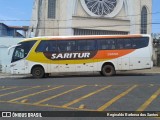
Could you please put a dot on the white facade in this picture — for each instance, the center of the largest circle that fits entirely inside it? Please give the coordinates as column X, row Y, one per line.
column 74, row 17
column 5, row 59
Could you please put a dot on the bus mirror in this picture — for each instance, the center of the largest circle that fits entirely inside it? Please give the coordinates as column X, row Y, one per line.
column 9, row 49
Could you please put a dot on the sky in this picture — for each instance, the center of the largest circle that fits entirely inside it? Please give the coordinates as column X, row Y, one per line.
column 156, row 17
column 22, row 10
column 16, row 10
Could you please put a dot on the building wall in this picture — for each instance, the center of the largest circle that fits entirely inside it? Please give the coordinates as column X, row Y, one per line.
column 3, row 30
column 148, row 5
column 71, row 14
column 5, row 59
column 134, row 11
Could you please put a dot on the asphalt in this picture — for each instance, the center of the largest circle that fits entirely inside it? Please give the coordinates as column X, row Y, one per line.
column 154, row 70
column 129, row 91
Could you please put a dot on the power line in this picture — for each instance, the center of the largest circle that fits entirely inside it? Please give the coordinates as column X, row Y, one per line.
column 84, row 18
column 85, row 27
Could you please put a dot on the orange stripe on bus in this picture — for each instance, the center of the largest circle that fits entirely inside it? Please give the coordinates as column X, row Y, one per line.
column 112, row 54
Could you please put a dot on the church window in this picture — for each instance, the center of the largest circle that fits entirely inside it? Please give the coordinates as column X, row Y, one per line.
column 51, row 9
column 144, row 20
column 101, row 7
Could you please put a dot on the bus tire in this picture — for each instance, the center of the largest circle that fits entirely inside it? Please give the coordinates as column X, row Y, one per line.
column 38, row 72
column 108, row 70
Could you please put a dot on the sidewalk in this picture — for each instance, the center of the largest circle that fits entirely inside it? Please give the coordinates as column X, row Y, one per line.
column 5, row 75
column 154, row 70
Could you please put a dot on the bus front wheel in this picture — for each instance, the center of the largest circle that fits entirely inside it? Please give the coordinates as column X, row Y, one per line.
column 108, row 70
column 38, row 72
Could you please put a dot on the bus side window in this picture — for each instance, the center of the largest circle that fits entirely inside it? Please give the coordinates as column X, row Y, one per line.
column 42, row 47
column 102, row 44
column 106, row 44
column 90, row 45
column 86, row 45
column 66, row 46
column 127, row 44
column 61, row 46
column 140, row 42
column 47, row 46
column 52, row 46
column 81, row 45
column 134, row 44
column 71, row 46
column 120, row 44
column 111, row 44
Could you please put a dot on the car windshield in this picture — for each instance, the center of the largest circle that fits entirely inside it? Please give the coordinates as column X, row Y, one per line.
column 22, row 50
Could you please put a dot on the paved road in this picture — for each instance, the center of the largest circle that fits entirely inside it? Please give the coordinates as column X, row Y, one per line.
column 124, row 92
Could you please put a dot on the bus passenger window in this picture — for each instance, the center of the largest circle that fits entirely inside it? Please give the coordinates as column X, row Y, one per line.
column 66, row 46
column 71, row 46
column 81, row 45
column 47, row 46
column 42, row 47
column 111, row 44
column 140, row 42
column 61, row 46
column 52, row 46
column 90, row 45
column 127, row 44
column 102, row 45
column 108, row 44
column 86, row 45
column 120, row 44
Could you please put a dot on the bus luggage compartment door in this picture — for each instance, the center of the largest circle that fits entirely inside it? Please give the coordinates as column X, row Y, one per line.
column 125, row 63
column 66, row 66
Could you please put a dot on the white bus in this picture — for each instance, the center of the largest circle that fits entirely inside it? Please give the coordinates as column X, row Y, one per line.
column 42, row 56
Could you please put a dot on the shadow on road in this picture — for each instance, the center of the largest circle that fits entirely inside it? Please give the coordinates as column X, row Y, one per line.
column 91, row 75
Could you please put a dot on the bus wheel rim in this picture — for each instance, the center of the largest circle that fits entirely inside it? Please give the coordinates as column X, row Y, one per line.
column 108, row 70
column 37, row 72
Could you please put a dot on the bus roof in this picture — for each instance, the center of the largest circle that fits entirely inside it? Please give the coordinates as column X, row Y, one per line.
column 85, row 37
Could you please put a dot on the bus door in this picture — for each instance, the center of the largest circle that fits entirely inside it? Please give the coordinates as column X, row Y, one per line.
column 18, row 63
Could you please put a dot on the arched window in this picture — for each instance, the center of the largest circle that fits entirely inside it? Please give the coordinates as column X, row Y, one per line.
column 144, row 20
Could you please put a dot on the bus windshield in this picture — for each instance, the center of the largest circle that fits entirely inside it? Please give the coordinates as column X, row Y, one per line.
column 21, row 51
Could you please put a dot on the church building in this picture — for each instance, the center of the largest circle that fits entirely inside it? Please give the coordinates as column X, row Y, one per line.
column 91, row 17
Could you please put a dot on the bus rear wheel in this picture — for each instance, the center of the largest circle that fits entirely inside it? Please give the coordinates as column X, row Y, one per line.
column 38, row 72
column 108, row 70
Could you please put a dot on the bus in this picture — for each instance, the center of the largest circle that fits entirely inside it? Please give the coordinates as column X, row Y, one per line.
column 42, row 56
